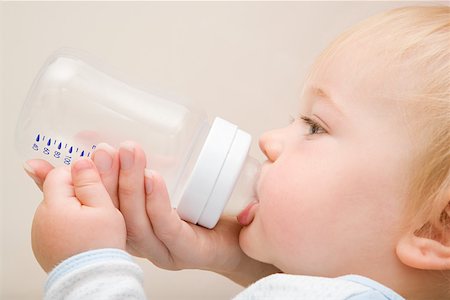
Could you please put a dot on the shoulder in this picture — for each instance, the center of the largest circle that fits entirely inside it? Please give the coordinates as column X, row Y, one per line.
column 286, row 286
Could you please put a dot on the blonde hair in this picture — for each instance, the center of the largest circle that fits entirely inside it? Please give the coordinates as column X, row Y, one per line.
column 416, row 39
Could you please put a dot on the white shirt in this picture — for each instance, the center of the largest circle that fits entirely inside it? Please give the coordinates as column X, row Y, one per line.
column 111, row 274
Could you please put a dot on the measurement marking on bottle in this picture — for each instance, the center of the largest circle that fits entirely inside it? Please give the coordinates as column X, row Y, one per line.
column 56, row 152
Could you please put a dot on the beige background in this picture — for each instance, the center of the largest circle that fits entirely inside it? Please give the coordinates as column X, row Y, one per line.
column 242, row 61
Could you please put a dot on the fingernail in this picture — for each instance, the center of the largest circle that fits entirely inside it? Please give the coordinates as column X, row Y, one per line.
column 102, row 158
column 82, row 164
column 126, row 154
column 148, row 179
column 30, row 171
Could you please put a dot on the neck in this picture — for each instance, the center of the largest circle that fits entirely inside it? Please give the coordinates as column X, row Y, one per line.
column 415, row 284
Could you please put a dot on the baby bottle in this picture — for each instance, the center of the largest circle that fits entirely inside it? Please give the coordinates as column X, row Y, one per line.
column 73, row 106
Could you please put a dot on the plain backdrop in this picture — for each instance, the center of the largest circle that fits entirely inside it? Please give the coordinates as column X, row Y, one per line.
column 243, row 61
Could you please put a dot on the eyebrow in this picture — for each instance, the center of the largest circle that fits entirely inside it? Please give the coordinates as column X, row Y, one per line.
column 322, row 94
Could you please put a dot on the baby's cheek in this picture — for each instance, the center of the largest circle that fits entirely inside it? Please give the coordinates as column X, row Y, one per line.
column 280, row 213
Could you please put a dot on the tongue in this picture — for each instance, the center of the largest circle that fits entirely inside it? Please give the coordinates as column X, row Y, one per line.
column 247, row 214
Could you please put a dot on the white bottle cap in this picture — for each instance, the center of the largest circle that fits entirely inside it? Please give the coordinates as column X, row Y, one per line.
column 215, row 174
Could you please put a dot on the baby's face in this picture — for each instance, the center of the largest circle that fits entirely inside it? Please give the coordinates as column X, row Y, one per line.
column 332, row 189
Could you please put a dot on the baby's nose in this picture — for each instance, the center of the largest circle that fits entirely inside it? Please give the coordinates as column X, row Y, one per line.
column 271, row 145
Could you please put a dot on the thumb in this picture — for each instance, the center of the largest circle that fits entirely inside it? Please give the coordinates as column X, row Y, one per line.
column 88, row 185
column 166, row 222
column 163, row 217
column 38, row 170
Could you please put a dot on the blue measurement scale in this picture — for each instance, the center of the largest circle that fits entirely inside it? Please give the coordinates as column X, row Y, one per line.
column 59, row 149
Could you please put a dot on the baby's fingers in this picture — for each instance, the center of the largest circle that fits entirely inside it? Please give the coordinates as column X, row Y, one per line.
column 58, row 187
column 88, row 186
column 165, row 220
column 177, row 235
column 141, row 240
column 131, row 187
column 106, row 159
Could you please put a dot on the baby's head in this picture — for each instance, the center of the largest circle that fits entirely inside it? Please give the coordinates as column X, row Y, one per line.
column 360, row 182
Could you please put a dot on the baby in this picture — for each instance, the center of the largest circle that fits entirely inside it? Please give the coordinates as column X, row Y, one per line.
column 353, row 199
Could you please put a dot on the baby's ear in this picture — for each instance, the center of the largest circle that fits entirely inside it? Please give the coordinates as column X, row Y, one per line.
column 427, row 248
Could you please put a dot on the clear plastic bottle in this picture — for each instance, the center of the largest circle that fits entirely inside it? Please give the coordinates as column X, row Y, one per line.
column 72, row 106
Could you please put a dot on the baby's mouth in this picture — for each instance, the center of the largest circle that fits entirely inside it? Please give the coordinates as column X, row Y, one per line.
column 248, row 213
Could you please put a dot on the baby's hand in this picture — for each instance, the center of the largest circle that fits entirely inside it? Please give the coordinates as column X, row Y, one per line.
column 76, row 215
column 156, row 232
column 154, row 229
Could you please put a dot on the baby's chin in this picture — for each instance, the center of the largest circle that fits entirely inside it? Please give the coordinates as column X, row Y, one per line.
column 251, row 245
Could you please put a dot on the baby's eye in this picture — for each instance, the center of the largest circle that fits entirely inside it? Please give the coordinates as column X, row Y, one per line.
column 314, row 127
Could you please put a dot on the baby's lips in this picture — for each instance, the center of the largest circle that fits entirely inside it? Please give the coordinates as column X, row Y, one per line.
column 247, row 214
